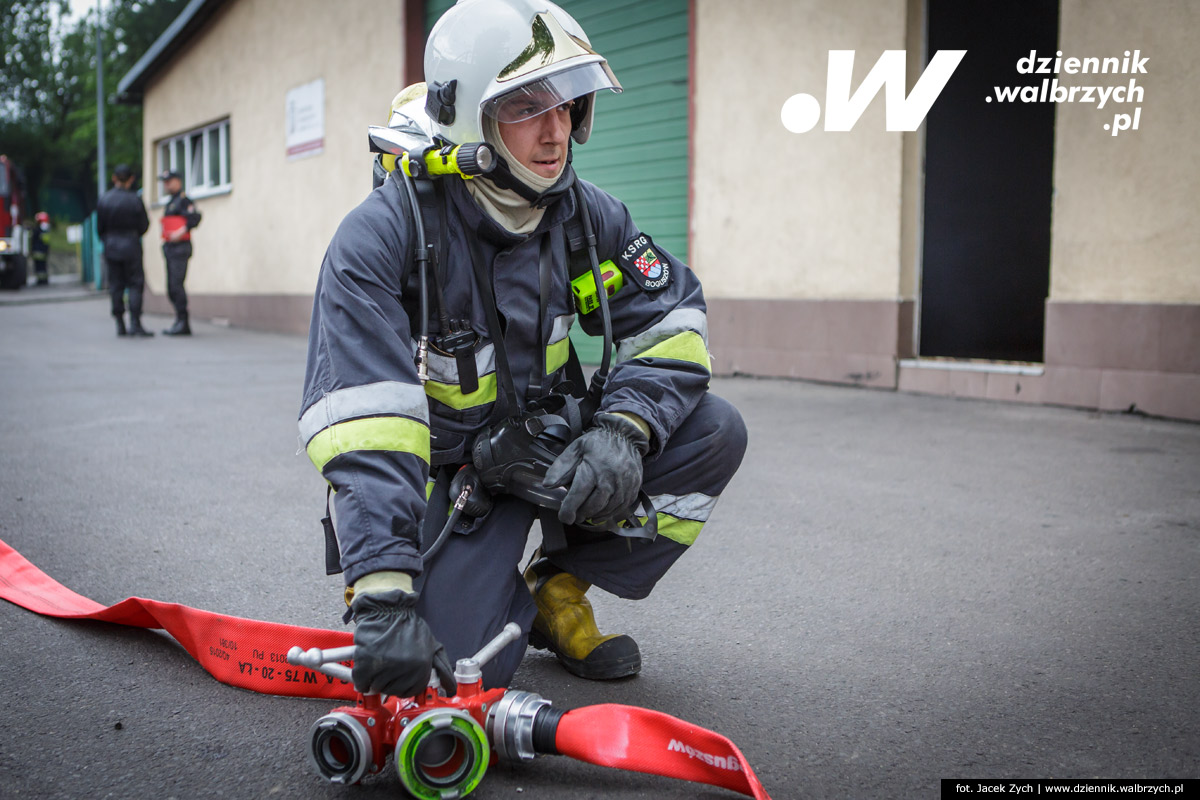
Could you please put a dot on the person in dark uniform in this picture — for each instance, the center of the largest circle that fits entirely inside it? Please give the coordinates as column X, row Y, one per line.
column 382, row 415
column 121, row 222
column 179, row 217
column 41, row 248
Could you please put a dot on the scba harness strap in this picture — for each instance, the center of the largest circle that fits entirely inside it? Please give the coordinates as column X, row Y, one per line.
column 456, row 338
column 558, row 416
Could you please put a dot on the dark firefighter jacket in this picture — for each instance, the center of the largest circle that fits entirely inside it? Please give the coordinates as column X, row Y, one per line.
column 121, row 220
column 40, row 243
column 366, row 420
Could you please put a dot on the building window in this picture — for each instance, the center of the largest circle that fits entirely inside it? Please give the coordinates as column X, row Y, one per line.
column 201, row 157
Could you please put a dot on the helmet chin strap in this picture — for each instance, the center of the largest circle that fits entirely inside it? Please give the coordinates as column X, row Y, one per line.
column 503, row 177
column 511, row 175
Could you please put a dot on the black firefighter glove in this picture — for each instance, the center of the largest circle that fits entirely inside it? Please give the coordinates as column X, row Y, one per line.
column 394, row 648
column 603, row 468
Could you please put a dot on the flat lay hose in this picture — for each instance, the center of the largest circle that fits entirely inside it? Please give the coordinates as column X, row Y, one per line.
column 246, row 653
column 252, row 654
column 642, row 740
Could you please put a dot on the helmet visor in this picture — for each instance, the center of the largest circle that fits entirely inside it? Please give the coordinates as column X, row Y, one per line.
column 528, row 101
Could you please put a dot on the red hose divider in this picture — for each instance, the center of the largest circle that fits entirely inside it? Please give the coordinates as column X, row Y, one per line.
column 638, row 739
column 246, row 653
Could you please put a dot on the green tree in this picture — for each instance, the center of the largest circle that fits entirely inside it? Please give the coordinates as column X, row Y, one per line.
column 48, row 121
column 36, row 89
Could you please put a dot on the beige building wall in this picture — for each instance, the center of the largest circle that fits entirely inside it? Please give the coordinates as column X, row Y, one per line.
column 808, row 244
column 1123, row 317
column 263, row 241
column 1126, row 207
column 780, row 214
column 797, row 237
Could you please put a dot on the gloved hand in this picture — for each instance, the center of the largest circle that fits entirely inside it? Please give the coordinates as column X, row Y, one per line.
column 395, row 648
column 603, row 468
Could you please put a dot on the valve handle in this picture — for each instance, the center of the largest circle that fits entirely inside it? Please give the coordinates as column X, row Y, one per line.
column 508, row 634
column 325, row 661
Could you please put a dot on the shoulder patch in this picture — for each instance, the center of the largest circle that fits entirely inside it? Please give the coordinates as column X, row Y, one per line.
column 646, row 264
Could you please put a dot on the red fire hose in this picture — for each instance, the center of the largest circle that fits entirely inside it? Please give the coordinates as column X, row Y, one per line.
column 641, row 740
column 253, row 655
column 241, row 652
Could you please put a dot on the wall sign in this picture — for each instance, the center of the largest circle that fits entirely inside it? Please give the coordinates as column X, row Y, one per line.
column 305, row 121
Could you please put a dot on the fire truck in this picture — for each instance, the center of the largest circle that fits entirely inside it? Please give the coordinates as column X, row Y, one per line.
column 14, row 233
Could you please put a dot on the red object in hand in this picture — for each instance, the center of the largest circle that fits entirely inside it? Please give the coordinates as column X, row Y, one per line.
column 171, row 225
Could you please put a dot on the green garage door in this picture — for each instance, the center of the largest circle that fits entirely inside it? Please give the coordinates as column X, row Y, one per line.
column 639, row 145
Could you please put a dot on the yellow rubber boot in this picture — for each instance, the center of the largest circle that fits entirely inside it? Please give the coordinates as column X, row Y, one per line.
column 566, row 626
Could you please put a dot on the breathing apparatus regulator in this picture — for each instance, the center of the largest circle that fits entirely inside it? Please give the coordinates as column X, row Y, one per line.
column 435, row 131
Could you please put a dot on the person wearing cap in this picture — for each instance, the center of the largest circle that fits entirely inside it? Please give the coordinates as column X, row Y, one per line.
column 41, row 248
column 121, row 221
column 179, row 218
column 521, row 76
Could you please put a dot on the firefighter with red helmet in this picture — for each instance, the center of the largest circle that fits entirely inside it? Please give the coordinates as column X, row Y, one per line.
column 40, row 245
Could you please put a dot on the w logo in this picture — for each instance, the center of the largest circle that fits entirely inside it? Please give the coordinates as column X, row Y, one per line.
column 801, row 112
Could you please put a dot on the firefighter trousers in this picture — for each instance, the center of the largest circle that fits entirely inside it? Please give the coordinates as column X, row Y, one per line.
column 177, row 255
column 125, row 274
column 474, row 586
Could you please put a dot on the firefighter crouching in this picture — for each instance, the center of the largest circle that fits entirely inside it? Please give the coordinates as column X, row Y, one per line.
column 499, row 320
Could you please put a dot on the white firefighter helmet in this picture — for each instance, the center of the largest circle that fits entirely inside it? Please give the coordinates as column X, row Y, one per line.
column 511, row 60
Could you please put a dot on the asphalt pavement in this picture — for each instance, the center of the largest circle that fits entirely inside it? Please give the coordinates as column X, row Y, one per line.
column 895, row 589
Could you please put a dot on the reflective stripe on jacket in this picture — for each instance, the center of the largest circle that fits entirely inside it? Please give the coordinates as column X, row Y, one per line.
column 373, row 430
